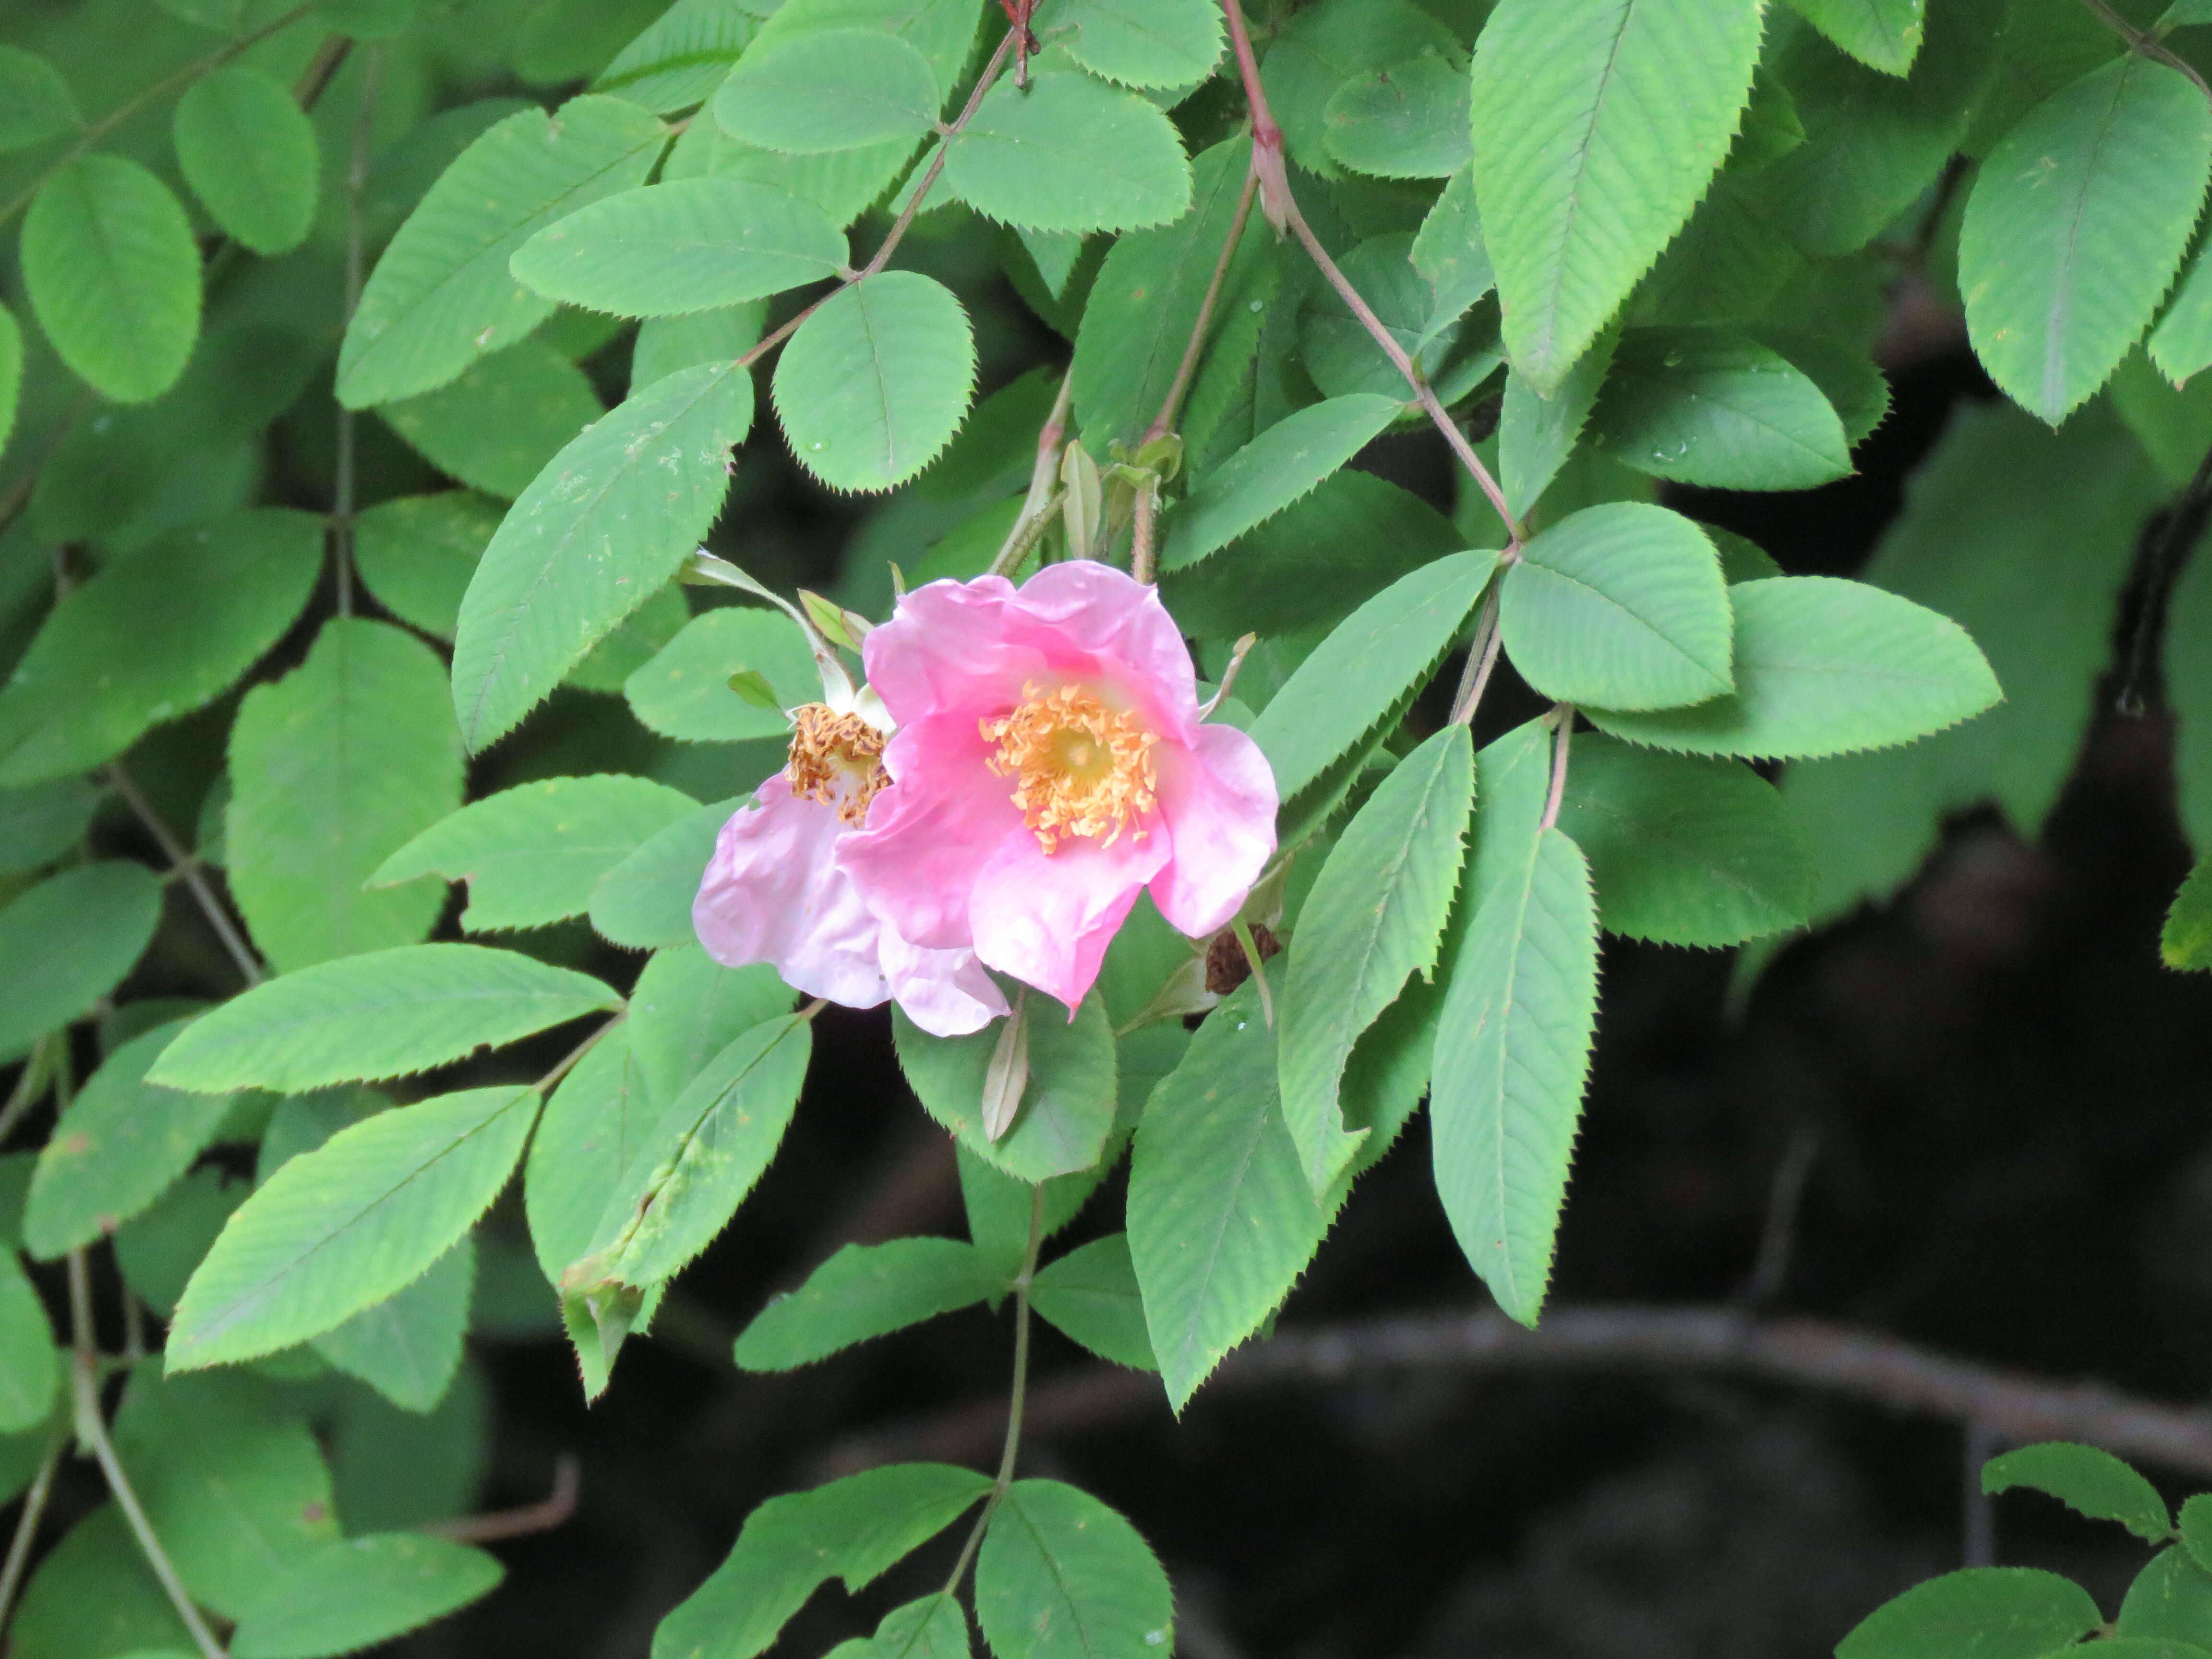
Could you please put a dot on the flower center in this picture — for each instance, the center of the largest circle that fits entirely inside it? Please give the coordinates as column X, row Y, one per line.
column 1079, row 768
column 836, row 759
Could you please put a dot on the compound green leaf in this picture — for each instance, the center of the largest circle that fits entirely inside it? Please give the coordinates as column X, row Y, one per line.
column 40, row 823
column 1375, row 917
column 1983, row 1613
column 645, row 901
column 1278, row 468
column 2171, row 1598
column 2186, row 940
column 386, row 1013
column 680, row 59
column 1061, row 1576
column 1069, row 154
column 441, row 296
column 1313, row 563
column 600, row 531
column 153, row 636
column 333, row 768
column 531, row 855
column 248, row 151
column 1883, row 34
column 699, row 1159
column 1377, row 654
column 586, row 1138
column 1138, row 43
column 116, row 1148
column 684, row 692
column 690, row 245
column 30, row 1372
column 1325, row 45
column 1448, row 252
column 2075, row 226
column 417, row 553
column 1536, row 435
column 106, row 911
column 2181, row 344
column 866, row 1291
column 11, row 372
column 2089, row 1480
column 686, row 1008
column 877, row 381
column 1684, row 850
column 1091, row 1294
column 35, row 101
column 341, row 1228
column 1066, row 1112
column 1602, row 123
column 95, row 1594
column 837, row 89
column 113, row 276
column 1146, row 299
column 1513, row 1042
column 1701, row 406
column 408, row 1347
column 1407, row 121
column 496, row 426
column 158, row 1250
column 362, row 1591
column 856, row 1528
column 1825, row 666
column 1621, row 605
column 1221, row 1219
column 237, row 1495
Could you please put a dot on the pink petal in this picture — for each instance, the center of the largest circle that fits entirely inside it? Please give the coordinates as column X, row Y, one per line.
column 1218, row 798
column 1106, row 613
column 929, row 835
column 1046, row 918
column 946, row 992
column 773, row 892
column 940, row 640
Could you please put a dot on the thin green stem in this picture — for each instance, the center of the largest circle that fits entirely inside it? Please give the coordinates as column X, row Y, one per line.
column 26, row 1527
column 91, row 1428
column 188, row 867
column 1481, row 663
column 342, row 504
column 1003, row 1482
column 172, row 81
column 1171, row 405
column 1562, row 740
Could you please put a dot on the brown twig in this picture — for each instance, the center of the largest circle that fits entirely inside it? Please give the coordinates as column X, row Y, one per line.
column 1815, row 1353
column 549, row 1512
column 1281, row 208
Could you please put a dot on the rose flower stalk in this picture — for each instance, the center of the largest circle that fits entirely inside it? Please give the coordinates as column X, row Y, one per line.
column 1047, row 761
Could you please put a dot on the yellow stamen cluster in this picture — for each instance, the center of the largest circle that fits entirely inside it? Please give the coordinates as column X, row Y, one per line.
column 1079, row 768
column 836, row 759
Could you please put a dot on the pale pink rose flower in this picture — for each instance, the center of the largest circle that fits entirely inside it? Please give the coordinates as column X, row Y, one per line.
column 1051, row 764
column 776, row 892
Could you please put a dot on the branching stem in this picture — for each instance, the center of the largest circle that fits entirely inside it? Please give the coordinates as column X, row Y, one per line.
column 899, row 226
column 194, row 876
column 2148, row 42
column 92, row 1430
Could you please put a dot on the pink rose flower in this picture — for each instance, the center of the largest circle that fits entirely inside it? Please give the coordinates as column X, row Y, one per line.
column 1050, row 763
column 776, row 892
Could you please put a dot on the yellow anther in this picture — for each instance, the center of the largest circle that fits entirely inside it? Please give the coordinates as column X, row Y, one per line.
column 836, row 759
column 1079, row 768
